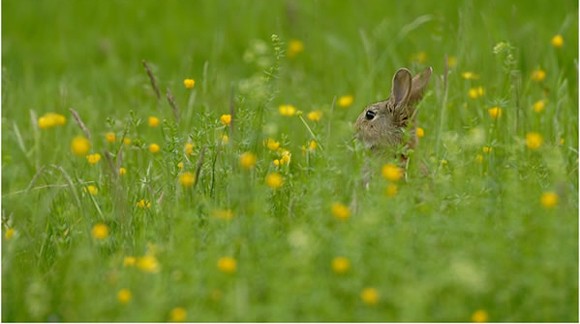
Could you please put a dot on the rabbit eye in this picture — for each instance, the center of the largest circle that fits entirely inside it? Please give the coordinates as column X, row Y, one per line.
column 369, row 115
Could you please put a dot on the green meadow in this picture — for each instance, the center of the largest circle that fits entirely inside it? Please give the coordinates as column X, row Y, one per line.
column 196, row 161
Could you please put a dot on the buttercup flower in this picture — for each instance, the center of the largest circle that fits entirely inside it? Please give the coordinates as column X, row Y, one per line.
column 100, row 231
column 50, row 120
column 420, row 132
column 314, row 115
column 122, row 171
column 340, row 265
column 287, row 110
column 153, row 121
column 534, row 140
column 248, row 160
column 188, row 148
column 110, row 137
column 370, row 296
column 189, row 83
column 124, row 296
column 93, row 190
column 538, row 75
column 494, row 112
column 539, row 106
column 154, row 148
column 295, row 47
column 178, row 314
column 272, row 145
column 549, row 199
column 187, row 179
column 477, row 92
column 468, row 75
column 226, row 120
column 345, row 101
column 227, row 265
column 479, row 316
column 144, row 203
column 94, row 158
column 558, row 41
column 392, row 172
column 274, row 180
column 340, row 211
column 80, row 146
column 148, row 263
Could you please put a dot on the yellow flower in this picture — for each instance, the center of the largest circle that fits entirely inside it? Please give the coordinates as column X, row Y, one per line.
column 248, row 160
column 558, row 41
column 549, row 199
column 539, row 106
column 534, row 140
column 127, row 141
column 420, row 132
column 129, row 261
column 287, row 110
column 272, row 144
column 391, row 190
column 50, row 120
column 420, row 57
column 225, row 139
column 295, row 47
column 110, row 137
column 314, row 115
column 312, row 145
column 479, row 316
column 9, row 233
column 144, row 203
column 477, row 92
column 187, row 179
column 487, row 149
column 286, row 156
column 80, row 146
column 340, row 211
column 479, row 158
column 154, row 148
column 94, row 158
column 124, row 296
column 188, row 148
column 392, row 172
column 538, row 75
column 189, row 83
column 494, row 112
column 93, row 190
column 122, row 171
column 468, row 75
column 370, row 296
column 180, row 165
column 225, row 214
column 451, row 61
column 100, row 231
column 226, row 120
column 340, row 265
column 227, row 264
column 345, row 101
column 148, row 263
column 178, row 314
column 153, row 121
column 274, row 180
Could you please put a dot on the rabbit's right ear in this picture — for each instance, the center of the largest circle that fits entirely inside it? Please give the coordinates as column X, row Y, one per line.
column 402, row 82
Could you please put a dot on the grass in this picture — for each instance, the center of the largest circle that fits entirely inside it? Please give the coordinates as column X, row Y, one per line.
column 483, row 227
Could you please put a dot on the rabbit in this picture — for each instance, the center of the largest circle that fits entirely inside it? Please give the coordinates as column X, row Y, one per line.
column 382, row 125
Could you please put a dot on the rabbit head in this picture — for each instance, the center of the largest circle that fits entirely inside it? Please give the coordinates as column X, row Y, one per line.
column 383, row 124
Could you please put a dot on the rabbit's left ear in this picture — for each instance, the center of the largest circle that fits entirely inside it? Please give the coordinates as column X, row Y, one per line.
column 401, row 87
column 420, row 82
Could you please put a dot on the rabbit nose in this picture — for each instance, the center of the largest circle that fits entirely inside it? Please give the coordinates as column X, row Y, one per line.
column 369, row 115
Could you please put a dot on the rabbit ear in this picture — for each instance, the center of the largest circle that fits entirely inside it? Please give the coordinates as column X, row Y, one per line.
column 420, row 82
column 401, row 87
